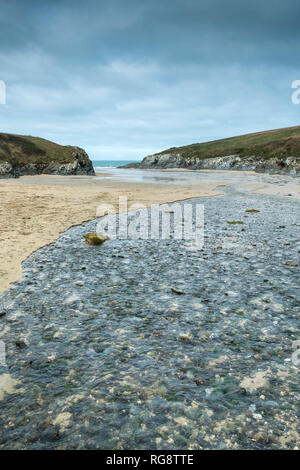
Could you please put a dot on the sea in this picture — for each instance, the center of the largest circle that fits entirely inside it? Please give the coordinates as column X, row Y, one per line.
column 111, row 163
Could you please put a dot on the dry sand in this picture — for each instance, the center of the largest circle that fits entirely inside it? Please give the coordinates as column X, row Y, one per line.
column 291, row 190
column 36, row 209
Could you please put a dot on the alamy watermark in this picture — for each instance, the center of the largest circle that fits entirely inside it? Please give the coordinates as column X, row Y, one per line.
column 296, row 93
column 159, row 222
column 2, row 354
column 2, row 92
column 296, row 353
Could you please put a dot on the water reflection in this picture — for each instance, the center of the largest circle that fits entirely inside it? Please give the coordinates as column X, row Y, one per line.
column 183, row 177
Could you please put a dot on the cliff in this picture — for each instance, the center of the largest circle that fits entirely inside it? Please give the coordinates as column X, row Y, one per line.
column 26, row 155
column 276, row 151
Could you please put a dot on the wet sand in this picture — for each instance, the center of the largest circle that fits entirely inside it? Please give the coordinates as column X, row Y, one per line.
column 36, row 209
column 147, row 343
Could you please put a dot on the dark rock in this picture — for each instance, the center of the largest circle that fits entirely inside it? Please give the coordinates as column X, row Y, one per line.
column 177, row 291
column 21, row 344
column 291, row 263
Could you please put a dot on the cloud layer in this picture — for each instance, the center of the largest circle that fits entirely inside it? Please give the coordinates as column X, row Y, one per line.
column 125, row 79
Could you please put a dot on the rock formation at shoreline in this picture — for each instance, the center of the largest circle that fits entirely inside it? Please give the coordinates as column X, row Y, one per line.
column 22, row 155
column 275, row 151
column 289, row 165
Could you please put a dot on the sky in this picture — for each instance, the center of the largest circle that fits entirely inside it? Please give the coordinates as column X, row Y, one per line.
column 125, row 79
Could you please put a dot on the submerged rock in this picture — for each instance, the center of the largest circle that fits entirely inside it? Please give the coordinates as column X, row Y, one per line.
column 177, row 291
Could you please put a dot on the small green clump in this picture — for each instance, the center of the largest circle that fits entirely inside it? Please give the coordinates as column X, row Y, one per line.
column 95, row 238
column 234, row 222
column 252, row 211
column 239, row 312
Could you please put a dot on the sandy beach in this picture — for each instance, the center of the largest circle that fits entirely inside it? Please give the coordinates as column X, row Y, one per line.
column 36, row 209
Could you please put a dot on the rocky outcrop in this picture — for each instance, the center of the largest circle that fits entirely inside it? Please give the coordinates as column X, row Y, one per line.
column 273, row 151
column 81, row 165
column 289, row 165
column 21, row 156
column 6, row 170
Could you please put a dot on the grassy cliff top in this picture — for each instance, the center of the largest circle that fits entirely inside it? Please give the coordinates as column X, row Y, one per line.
column 276, row 143
column 20, row 150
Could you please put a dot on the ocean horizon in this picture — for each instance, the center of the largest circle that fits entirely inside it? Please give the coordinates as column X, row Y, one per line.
column 111, row 163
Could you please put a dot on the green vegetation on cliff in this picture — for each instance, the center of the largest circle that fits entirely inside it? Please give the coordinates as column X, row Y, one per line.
column 276, row 143
column 21, row 155
column 22, row 150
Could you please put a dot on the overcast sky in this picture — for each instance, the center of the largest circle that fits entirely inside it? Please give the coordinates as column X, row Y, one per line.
column 127, row 78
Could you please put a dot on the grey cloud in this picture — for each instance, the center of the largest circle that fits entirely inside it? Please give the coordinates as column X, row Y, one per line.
column 124, row 79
